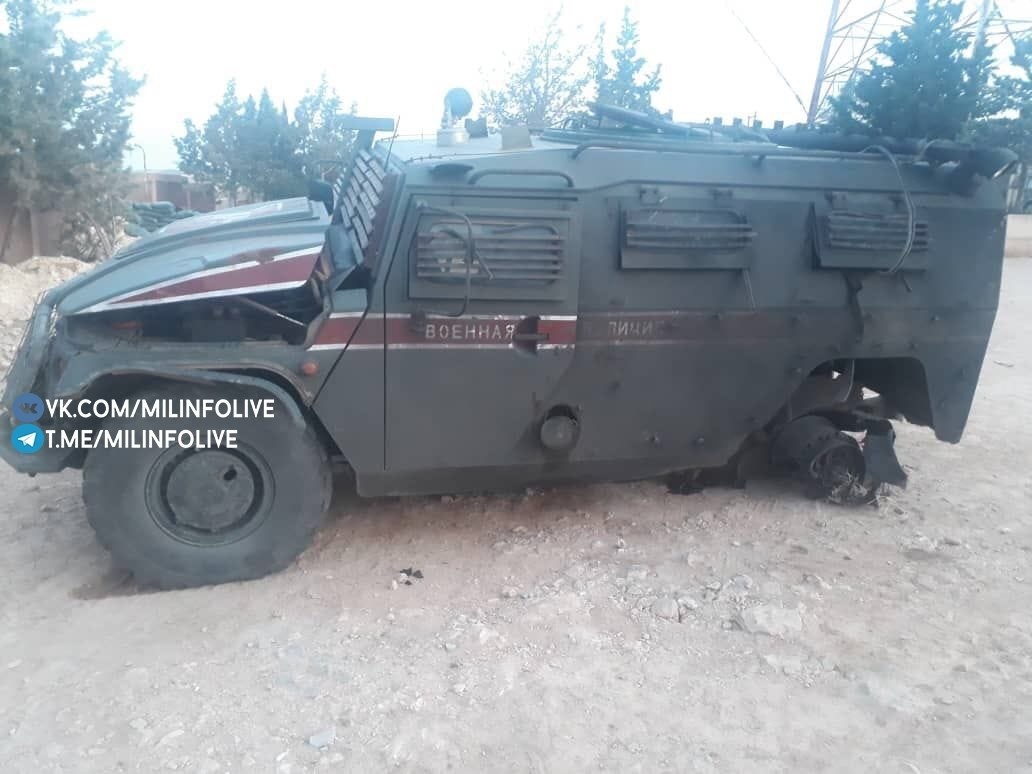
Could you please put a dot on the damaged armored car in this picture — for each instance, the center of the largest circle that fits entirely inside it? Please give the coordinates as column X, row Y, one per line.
column 619, row 298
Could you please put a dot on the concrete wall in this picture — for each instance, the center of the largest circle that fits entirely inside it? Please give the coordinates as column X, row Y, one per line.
column 1019, row 236
column 27, row 232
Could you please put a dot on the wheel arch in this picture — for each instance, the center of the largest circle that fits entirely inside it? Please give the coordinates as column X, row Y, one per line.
column 121, row 383
column 900, row 384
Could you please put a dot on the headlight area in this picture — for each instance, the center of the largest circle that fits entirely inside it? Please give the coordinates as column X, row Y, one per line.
column 23, row 371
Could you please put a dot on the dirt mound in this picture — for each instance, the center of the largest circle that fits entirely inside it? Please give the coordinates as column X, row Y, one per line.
column 20, row 286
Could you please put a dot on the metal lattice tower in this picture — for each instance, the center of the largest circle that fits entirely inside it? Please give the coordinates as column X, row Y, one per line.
column 994, row 20
column 856, row 27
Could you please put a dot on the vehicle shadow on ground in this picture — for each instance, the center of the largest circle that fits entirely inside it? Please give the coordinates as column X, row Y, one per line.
column 385, row 526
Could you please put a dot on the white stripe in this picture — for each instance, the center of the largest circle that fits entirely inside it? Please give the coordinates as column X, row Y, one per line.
column 422, row 345
column 373, row 315
column 303, row 252
column 494, row 317
column 217, row 293
column 318, row 347
column 194, row 296
column 634, row 342
column 119, row 301
column 428, row 345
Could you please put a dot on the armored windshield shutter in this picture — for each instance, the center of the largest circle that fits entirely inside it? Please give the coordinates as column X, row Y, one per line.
column 515, row 254
column 685, row 235
column 363, row 194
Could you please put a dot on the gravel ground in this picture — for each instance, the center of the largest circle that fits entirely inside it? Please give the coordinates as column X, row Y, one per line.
column 611, row 627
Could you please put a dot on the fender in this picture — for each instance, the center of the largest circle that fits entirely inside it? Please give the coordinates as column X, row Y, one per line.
column 55, row 460
column 209, row 377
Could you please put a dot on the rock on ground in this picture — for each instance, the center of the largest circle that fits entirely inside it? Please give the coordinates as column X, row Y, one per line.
column 772, row 620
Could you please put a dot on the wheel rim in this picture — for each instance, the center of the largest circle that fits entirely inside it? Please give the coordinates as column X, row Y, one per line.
column 209, row 496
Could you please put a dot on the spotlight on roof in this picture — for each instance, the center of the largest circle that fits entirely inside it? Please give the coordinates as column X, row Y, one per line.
column 457, row 105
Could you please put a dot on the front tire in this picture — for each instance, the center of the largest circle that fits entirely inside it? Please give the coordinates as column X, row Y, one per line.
column 179, row 517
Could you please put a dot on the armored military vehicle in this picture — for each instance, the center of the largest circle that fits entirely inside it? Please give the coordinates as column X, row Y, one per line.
column 621, row 297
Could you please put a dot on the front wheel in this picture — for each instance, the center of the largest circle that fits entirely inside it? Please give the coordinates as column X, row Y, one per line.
column 187, row 516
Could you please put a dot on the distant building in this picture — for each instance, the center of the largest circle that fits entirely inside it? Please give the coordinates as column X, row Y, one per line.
column 172, row 186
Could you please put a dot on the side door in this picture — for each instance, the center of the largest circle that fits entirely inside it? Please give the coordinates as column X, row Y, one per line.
column 472, row 362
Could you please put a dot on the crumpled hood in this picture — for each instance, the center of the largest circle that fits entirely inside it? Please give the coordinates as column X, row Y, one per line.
column 249, row 249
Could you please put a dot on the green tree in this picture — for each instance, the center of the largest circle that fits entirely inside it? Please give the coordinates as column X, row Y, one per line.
column 64, row 124
column 252, row 146
column 924, row 84
column 211, row 153
column 548, row 83
column 1016, row 90
column 271, row 166
column 323, row 143
column 1013, row 127
column 626, row 83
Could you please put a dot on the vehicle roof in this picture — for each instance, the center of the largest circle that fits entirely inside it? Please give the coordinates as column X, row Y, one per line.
column 787, row 158
column 426, row 149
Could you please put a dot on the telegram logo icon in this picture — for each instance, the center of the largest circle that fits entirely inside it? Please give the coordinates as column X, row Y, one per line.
column 27, row 439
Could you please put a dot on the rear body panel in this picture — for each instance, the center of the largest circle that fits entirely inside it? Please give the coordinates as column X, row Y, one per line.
column 670, row 360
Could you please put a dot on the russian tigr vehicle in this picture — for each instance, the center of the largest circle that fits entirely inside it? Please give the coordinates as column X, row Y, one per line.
column 619, row 298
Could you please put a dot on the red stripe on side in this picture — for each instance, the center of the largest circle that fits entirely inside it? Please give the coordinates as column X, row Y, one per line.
column 337, row 331
column 296, row 269
column 452, row 331
column 433, row 332
column 560, row 332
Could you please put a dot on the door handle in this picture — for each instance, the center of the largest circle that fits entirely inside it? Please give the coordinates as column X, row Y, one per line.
column 526, row 337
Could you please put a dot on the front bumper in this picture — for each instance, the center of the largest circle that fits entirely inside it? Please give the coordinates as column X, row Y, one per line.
column 24, row 369
column 22, row 377
column 46, row 460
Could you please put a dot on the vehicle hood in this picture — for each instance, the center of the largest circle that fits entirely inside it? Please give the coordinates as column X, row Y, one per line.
column 248, row 249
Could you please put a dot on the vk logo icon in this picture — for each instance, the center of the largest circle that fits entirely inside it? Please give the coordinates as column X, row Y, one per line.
column 27, row 439
column 28, row 407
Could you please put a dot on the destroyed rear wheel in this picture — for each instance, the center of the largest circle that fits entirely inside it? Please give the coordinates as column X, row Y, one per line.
column 830, row 462
column 179, row 517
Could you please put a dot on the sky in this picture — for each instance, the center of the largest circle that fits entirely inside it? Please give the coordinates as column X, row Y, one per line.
column 398, row 59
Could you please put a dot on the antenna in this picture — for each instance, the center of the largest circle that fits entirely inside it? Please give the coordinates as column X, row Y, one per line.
column 765, row 54
column 390, row 145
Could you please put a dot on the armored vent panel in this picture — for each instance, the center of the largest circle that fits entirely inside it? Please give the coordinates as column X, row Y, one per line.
column 864, row 240
column 661, row 238
column 522, row 253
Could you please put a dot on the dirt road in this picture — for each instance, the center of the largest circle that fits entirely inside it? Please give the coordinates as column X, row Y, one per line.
column 610, row 628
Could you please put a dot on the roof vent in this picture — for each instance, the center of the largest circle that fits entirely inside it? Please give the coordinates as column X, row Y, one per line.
column 516, row 137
